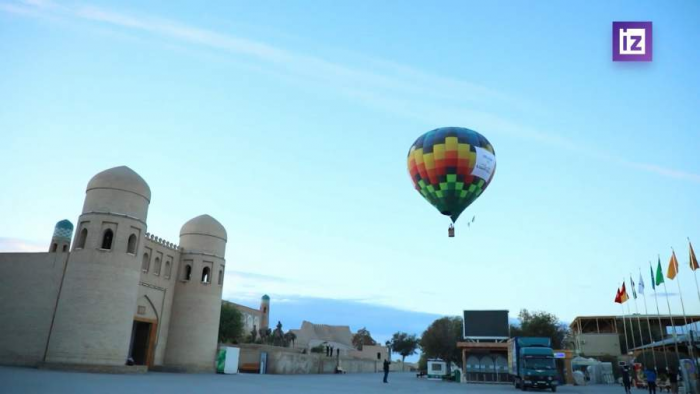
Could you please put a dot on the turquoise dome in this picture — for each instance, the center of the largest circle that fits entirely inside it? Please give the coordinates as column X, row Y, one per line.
column 65, row 223
column 266, row 297
column 63, row 229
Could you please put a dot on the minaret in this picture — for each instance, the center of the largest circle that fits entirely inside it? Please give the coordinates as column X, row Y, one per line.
column 265, row 312
column 95, row 311
column 194, row 323
column 62, row 233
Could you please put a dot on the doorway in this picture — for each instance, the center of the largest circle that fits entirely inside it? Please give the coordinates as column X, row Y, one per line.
column 142, row 340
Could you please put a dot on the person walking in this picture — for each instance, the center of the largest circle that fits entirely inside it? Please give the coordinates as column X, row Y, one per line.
column 673, row 379
column 626, row 382
column 651, row 380
column 386, row 370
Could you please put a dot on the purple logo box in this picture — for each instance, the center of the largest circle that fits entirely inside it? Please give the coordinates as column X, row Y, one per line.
column 632, row 42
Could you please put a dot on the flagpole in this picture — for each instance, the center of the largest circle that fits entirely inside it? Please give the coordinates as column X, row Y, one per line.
column 678, row 282
column 662, row 331
column 685, row 319
column 673, row 324
column 634, row 345
column 624, row 327
column 692, row 262
column 680, row 294
column 624, row 323
column 629, row 316
column 639, row 321
column 646, row 312
column 695, row 275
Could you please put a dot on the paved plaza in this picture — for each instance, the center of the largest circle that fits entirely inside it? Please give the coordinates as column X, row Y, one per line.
column 31, row 381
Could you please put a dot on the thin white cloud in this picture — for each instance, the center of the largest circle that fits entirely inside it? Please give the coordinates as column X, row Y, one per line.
column 399, row 89
column 301, row 65
column 39, row 3
column 9, row 245
column 667, row 172
column 19, row 10
column 248, row 287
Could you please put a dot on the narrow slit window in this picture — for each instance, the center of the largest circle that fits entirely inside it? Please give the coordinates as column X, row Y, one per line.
column 156, row 267
column 168, row 268
column 54, row 247
column 188, row 272
column 221, row 277
column 65, row 248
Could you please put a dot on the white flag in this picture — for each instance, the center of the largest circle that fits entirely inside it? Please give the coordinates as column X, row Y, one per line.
column 641, row 284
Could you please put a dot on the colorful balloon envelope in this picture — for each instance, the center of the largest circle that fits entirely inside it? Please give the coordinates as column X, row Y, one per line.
column 451, row 167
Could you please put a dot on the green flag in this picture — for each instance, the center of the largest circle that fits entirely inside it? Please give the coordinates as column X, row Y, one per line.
column 659, row 273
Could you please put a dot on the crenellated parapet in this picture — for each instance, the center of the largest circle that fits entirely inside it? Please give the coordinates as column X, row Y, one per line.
column 163, row 242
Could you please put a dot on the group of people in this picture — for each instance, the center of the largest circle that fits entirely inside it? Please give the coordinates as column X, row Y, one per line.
column 651, row 379
column 329, row 351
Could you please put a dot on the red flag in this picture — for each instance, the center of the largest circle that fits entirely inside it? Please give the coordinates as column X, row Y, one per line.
column 623, row 294
column 618, row 297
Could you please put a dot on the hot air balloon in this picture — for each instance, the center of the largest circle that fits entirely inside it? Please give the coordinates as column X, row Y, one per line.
column 451, row 167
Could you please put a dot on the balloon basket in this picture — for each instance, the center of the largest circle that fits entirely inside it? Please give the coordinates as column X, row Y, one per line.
column 451, row 231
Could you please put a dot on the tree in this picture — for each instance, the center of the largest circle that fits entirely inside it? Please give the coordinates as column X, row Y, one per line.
column 403, row 344
column 230, row 324
column 540, row 324
column 253, row 336
column 440, row 339
column 423, row 362
column 361, row 338
column 320, row 348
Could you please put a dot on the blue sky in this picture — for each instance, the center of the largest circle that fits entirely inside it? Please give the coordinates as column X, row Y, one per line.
column 290, row 122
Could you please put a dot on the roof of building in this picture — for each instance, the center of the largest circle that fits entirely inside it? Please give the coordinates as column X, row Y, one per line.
column 120, row 178
column 664, row 318
column 680, row 339
column 204, row 225
column 312, row 334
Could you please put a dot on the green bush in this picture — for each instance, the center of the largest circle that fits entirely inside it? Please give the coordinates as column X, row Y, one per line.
column 318, row 349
